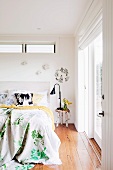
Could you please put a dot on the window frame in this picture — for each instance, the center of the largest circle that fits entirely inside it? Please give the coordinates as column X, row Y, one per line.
column 23, row 47
column 41, row 44
column 10, row 49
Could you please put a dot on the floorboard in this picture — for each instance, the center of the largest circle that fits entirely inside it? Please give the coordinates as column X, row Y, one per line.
column 75, row 151
column 96, row 148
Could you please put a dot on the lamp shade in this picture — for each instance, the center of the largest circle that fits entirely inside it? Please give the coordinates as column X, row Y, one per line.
column 52, row 91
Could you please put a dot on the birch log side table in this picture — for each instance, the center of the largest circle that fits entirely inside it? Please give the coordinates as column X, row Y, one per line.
column 60, row 114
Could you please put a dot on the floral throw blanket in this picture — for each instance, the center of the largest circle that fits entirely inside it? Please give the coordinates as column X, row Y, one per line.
column 27, row 137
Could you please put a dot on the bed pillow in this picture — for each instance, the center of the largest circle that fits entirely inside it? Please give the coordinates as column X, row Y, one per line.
column 10, row 91
column 3, row 97
column 24, row 99
column 37, row 98
column 10, row 100
column 42, row 98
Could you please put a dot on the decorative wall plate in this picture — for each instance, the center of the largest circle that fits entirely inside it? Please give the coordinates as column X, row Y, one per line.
column 62, row 75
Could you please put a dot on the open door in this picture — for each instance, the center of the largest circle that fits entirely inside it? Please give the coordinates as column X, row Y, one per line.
column 98, row 58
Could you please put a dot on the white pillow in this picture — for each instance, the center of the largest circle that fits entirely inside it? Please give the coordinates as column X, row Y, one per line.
column 44, row 101
column 10, row 92
column 3, row 97
column 10, row 99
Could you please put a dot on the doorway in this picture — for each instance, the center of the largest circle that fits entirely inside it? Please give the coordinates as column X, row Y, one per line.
column 93, row 89
column 98, row 58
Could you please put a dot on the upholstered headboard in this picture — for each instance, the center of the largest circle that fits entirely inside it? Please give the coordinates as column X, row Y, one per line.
column 24, row 85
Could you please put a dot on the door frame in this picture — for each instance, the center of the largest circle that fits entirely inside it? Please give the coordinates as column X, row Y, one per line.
column 107, row 104
column 90, row 93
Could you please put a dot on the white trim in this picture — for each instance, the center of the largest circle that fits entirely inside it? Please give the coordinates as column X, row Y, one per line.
column 83, row 17
column 98, row 140
column 107, row 133
column 94, row 30
column 36, row 35
column 91, row 26
column 91, row 92
column 92, row 12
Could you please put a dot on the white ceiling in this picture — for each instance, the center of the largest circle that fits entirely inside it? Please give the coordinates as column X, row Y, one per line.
column 41, row 16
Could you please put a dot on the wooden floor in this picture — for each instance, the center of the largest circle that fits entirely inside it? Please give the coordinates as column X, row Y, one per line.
column 75, row 151
column 96, row 148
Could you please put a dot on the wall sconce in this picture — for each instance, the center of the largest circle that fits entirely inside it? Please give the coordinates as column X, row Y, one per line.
column 53, row 92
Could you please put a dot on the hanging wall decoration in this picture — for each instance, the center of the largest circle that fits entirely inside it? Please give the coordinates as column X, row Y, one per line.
column 62, row 75
column 23, row 63
column 38, row 72
column 45, row 66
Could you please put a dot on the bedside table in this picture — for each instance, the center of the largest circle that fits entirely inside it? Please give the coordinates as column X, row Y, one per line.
column 60, row 116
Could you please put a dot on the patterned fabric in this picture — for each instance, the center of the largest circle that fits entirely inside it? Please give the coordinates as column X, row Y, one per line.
column 10, row 100
column 23, row 99
column 45, row 109
column 31, row 139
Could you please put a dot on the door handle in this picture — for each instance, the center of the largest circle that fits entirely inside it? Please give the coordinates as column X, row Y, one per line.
column 102, row 113
column 103, row 96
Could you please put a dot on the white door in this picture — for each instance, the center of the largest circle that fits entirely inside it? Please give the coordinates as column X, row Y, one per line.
column 98, row 57
column 86, row 117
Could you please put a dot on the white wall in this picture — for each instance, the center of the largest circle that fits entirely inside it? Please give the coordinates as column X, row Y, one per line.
column 12, row 70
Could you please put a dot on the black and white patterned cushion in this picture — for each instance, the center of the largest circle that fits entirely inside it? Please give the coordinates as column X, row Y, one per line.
column 24, row 99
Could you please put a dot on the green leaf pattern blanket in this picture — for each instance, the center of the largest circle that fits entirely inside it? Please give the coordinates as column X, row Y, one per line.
column 26, row 137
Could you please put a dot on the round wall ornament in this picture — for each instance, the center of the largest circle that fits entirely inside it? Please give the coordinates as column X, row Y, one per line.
column 62, row 75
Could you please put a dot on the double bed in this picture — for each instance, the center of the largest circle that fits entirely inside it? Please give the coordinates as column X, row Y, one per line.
column 27, row 132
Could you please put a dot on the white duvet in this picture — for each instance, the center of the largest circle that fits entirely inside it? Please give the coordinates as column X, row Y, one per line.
column 26, row 137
